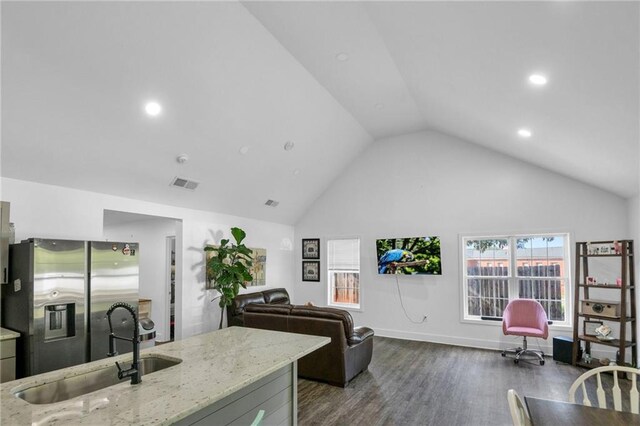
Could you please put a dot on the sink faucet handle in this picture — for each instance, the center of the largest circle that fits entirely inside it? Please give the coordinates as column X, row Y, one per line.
column 119, row 370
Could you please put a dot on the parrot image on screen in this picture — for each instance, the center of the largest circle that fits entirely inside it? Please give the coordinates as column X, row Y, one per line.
column 395, row 255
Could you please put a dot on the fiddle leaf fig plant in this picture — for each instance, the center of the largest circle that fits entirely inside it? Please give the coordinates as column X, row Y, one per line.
column 229, row 268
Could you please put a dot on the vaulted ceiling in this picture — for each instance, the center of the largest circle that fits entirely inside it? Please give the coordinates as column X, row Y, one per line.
column 237, row 81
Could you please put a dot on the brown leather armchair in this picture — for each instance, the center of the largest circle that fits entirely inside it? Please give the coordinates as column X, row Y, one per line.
column 348, row 354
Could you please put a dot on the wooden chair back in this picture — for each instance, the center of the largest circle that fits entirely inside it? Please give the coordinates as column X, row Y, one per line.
column 616, row 392
column 519, row 413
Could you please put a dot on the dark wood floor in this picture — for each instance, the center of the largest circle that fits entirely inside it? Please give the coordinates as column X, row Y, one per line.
column 420, row 383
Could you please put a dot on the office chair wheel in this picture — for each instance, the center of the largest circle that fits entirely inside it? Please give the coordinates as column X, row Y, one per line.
column 541, row 362
column 515, row 361
column 504, row 354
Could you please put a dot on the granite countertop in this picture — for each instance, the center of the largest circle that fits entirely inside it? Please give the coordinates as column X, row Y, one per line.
column 6, row 334
column 214, row 365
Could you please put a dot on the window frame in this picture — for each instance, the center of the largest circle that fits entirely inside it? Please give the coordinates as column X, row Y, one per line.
column 513, row 278
column 329, row 285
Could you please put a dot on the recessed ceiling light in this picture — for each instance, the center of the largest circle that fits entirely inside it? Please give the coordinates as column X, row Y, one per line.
column 538, row 79
column 182, row 158
column 288, row 146
column 296, row 172
column 525, row 133
column 342, row 57
column 244, row 150
column 153, row 108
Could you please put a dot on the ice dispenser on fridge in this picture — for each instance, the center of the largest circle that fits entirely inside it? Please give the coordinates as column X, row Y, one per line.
column 59, row 321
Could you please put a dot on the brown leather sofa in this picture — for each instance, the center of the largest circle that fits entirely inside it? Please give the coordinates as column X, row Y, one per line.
column 337, row 363
column 236, row 309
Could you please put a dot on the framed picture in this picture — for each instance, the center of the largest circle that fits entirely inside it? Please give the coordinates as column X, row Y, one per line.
column 311, row 248
column 590, row 327
column 257, row 270
column 310, row 270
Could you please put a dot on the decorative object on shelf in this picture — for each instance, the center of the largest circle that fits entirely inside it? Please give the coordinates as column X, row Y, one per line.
column 604, row 332
column 619, row 312
column 609, row 247
column 590, row 327
column 605, row 361
column 604, row 308
column 310, row 270
column 617, row 247
column 228, row 268
column 311, row 248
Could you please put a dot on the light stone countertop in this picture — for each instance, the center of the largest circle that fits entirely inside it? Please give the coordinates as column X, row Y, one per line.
column 6, row 334
column 214, row 365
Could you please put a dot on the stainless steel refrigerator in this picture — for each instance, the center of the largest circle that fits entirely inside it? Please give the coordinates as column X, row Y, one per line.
column 57, row 297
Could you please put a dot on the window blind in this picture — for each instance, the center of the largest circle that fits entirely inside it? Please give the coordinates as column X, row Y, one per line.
column 343, row 255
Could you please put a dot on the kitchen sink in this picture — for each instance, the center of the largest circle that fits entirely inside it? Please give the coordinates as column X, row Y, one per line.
column 70, row 387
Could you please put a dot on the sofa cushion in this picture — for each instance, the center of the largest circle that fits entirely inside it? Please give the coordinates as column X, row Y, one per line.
column 242, row 300
column 278, row 309
column 276, row 295
column 326, row 313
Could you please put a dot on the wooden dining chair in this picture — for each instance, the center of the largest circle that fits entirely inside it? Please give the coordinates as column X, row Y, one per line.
column 519, row 413
column 634, row 397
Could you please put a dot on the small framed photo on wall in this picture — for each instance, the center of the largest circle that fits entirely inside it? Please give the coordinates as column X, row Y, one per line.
column 310, row 270
column 311, row 248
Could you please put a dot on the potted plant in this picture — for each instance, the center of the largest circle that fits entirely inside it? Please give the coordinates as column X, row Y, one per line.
column 228, row 268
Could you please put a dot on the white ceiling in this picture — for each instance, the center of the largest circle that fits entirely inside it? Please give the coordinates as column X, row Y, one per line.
column 75, row 77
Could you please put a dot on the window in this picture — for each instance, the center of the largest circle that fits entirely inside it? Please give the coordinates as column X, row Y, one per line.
column 343, row 262
column 489, row 289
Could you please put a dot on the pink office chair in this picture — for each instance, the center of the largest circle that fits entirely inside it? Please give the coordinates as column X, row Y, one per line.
column 525, row 317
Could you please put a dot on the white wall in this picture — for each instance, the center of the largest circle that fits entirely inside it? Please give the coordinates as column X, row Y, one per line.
column 152, row 235
column 54, row 212
column 431, row 184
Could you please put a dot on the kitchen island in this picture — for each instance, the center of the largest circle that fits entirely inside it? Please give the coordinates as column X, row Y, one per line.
column 220, row 373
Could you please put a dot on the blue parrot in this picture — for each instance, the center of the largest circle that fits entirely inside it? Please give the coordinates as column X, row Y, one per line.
column 394, row 255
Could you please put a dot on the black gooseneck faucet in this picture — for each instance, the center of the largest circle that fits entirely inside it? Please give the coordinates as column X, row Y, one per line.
column 134, row 371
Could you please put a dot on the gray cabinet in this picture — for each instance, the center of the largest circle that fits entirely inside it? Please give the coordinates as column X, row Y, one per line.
column 275, row 394
column 7, row 360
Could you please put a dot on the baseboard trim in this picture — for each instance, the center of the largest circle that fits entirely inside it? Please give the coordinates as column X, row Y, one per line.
column 446, row 340
column 545, row 345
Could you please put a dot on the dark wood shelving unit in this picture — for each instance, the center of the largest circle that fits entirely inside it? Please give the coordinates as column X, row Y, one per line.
column 603, row 286
column 615, row 319
column 626, row 299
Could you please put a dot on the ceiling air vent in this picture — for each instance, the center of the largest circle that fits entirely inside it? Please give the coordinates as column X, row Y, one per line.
column 271, row 203
column 184, row 183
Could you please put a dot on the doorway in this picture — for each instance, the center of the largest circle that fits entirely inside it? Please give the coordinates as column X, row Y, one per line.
column 159, row 240
column 171, row 286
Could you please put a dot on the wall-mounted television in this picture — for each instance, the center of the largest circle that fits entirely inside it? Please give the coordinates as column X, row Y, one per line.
column 409, row 256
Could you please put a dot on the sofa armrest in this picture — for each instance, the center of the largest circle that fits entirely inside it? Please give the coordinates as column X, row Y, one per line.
column 359, row 335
